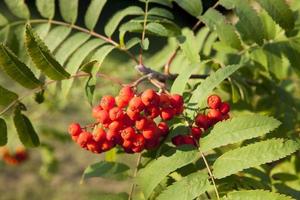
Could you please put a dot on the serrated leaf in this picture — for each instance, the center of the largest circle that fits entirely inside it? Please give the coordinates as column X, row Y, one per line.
column 206, row 87
column 187, row 188
column 46, row 8
column 180, row 82
column 18, row 8
column 255, row 195
column 56, row 36
column 100, row 55
column 115, row 20
column 193, row 7
column 150, row 176
column 3, row 132
column 42, row 57
column 161, row 12
column 93, row 12
column 17, row 70
column 69, row 10
column 157, row 29
column 70, row 45
column 103, row 169
column 189, row 47
column 249, row 25
column 253, row 155
column 25, row 130
column 238, row 129
column 269, row 24
column 7, row 97
column 3, row 20
column 280, row 12
column 228, row 35
column 76, row 60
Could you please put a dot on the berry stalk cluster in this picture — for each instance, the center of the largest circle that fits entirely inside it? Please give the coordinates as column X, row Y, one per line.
column 133, row 121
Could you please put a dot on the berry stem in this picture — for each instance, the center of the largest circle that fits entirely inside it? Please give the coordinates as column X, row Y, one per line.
column 134, row 175
column 210, row 174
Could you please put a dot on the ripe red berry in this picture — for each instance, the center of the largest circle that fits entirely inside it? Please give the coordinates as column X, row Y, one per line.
column 96, row 110
column 126, row 93
column 188, row 140
column 164, row 128
column 203, row 121
column 152, row 112
column 121, row 102
column 196, row 132
column 138, row 140
column 107, row 145
column 99, row 134
column 224, row 108
column 107, row 102
column 127, row 121
column 112, row 135
column 74, row 129
column 128, row 133
column 136, row 104
column 137, row 149
column 164, row 100
column 127, row 144
column 93, row 146
column 116, row 113
column 150, row 133
column 115, row 125
column 166, row 113
column 151, row 144
column 75, row 138
column 141, row 123
column 178, row 140
column 84, row 138
column 179, row 110
column 149, row 97
column 133, row 114
column 215, row 114
column 225, row 117
column 176, row 100
column 102, row 116
column 214, row 101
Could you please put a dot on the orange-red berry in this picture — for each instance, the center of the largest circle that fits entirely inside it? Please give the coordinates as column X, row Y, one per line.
column 176, row 100
column 203, row 121
column 99, row 134
column 164, row 128
column 224, row 108
column 84, row 138
column 116, row 113
column 107, row 102
column 102, row 116
column 164, row 100
column 126, row 93
column 214, row 101
column 128, row 133
column 133, row 114
column 136, row 104
column 167, row 113
column 149, row 97
column 75, row 129
column 215, row 114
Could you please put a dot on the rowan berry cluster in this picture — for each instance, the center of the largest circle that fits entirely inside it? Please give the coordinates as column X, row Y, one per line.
column 15, row 158
column 218, row 111
column 134, row 122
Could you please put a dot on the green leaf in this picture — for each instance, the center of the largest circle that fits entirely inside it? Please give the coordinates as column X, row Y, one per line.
column 132, row 42
column 187, row 188
column 249, row 25
column 150, row 176
column 3, row 132
column 56, row 36
column 145, row 44
column 229, row 4
column 4, row 34
column 46, row 8
column 115, row 20
column 280, row 12
column 161, row 12
column 193, row 7
column 7, row 97
column 111, row 155
column 70, row 45
column 100, row 55
column 228, row 35
column 3, row 20
column 200, row 38
column 255, row 195
column 90, row 87
column 161, row 2
column 180, row 82
column 18, row 8
column 17, row 70
column 76, row 60
column 42, row 57
column 189, row 46
column 25, row 130
column 206, row 87
column 253, row 155
column 238, row 129
column 103, row 169
column 87, row 67
column 157, row 29
column 69, row 10
column 93, row 12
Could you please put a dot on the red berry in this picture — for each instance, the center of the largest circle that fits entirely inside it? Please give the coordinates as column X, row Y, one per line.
column 166, row 113
column 151, row 144
column 112, row 135
column 128, row 133
column 96, row 110
column 214, row 101
column 138, row 140
column 84, row 138
column 107, row 102
column 137, row 149
column 75, row 138
column 127, row 144
column 178, row 140
column 102, row 116
column 127, row 121
column 164, row 100
column 93, row 146
column 225, row 117
column 115, row 125
column 152, row 112
column 203, row 121
column 133, row 115
column 74, row 129
column 136, row 104
column 126, row 93
column 107, row 145
column 141, row 123
column 179, row 110
column 149, row 133
column 224, row 108
column 121, row 102
column 149, row 97
column 99, row 134
column 196, row 132
column 187, row 139
column 215, row 114
column 176, row 100
column 164, row 128
column 116, row 113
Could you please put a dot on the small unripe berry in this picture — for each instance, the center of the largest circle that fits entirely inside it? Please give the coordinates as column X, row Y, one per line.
column 99, row 134
column 75, row 129
column 136, row 104
column 126, row 93
column 116, row 113
column 149, row 97
column 196, row 132
column 107, row 102
column 128, row 133
column 166, row 113
column 84, row 138
column 214, row 101
column 164, row 128
column 203, row 121
column 224, row 108
column 176, row 100
column 215, row 114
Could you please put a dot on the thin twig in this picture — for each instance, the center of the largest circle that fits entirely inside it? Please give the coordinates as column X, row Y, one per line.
column 134, row 175
column 211, row 175
column 144, row 32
